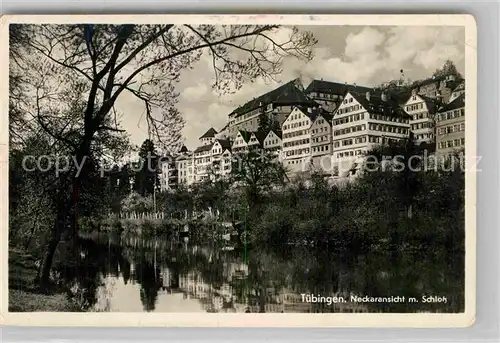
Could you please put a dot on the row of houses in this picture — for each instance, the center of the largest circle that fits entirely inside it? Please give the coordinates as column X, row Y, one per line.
column 328, row 127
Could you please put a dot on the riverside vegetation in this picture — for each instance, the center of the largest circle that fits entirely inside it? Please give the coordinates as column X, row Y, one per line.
column 382, row 211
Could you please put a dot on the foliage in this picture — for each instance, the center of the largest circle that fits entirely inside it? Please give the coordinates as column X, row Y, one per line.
column 146, row 178
column 448, row 68
column 134, row 202
column 256, row 172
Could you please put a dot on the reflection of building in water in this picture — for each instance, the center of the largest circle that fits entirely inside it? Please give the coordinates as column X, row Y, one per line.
column 193, row 285
column 236, row 271
column 166, row 279
column 132, row 273
column 292, row 302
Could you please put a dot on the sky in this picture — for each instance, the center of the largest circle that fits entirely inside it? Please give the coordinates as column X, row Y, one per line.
column 367, row 56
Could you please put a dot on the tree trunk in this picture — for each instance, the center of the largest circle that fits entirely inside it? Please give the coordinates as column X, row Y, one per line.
column 63, row 206
column 47, row 262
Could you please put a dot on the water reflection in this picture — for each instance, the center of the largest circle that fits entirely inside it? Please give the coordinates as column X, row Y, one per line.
column 133, row 275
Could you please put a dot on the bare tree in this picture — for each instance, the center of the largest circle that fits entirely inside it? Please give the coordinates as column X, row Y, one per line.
column 99, row 63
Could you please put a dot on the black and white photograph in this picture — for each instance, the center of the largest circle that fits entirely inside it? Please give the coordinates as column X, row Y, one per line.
column 239, row 166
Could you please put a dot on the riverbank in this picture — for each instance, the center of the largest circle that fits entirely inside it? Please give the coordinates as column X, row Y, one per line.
column 24, row 295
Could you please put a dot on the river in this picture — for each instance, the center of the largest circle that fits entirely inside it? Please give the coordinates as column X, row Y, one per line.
column 155, row 275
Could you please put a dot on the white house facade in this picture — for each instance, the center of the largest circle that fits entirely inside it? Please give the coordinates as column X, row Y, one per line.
column 422, row 118
column 297, row 140
column 360, row 123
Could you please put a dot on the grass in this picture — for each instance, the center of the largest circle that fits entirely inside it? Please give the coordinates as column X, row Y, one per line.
column 23, row 293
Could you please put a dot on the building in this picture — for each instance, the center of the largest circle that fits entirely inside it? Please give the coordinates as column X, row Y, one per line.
column 223, row 133
column 208, row 137
column 361, row 122
column 185, row 169
column 241, row 141
column 422, row 110
column 330, row 94
column 168, row 173
column 321, row 141
column 202, row 163
column 459, row 90
column 437, row 87
column 221, row 159
column 450, row 126
column 297, row 139
column 272, row 142
column 275, row 105
column 256, row 141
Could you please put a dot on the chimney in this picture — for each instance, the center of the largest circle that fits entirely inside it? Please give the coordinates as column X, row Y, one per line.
column 354, row 84
column 309, row 110
column 368, row 96
column 384, row 96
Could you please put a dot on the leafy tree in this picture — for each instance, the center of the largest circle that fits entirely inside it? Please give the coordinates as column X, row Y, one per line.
column 134, row 202
column 256, row 172
column 99, row 63
column 146, row 179
column 448, row 68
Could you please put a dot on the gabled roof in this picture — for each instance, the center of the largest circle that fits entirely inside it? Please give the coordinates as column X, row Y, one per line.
column 326, row 115
column 261, row 135
column 430, row 102
column 333, row 87
column 459, row 102
column 224, row 143
column 460, row 87
column 390, row 107
column 289, row 93
column 204, row 148
column 314, row 112
column 183, row 149
column 210, row 133
column 276, row 132
column 245, row 135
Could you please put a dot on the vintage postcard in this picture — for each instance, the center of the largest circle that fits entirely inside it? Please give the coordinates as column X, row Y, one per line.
column 238, row 170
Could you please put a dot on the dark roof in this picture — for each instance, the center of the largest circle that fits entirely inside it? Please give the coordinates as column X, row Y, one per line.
column 276, row 132
column 327, row 116
column 431, row 103
column 261, row 135
column 434, row 79
column 210, row 133
column 289, row 93
column 225, row 143
column 333, row 87
column 204, row 148
column 460, row 87
column 246, row 135
column 398, row 94
column 390, row 107
column 459, row 102
column 315, row 112
column 183, row 149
